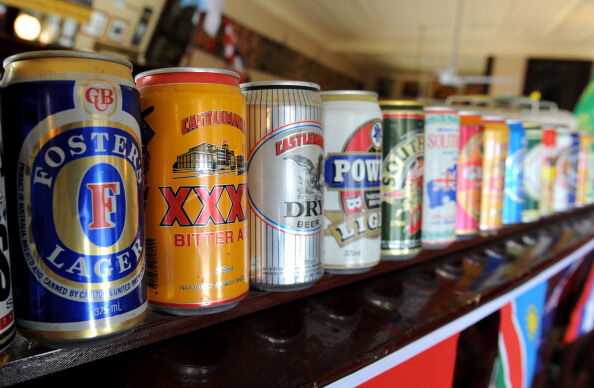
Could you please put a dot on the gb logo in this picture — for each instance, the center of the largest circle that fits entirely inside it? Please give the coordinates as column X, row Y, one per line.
column 99, row 98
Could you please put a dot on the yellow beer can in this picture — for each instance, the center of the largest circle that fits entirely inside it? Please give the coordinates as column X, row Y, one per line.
column 584, row 156
column 195, row 192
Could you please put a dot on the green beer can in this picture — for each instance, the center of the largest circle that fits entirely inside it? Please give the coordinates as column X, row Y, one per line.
column 402, row 178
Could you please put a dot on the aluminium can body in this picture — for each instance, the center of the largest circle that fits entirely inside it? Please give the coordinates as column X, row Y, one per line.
column 469, row 176
column 7, row 325
column 73, row 151
column 548, row 172
column 532, row 172
column 352, row 211
column 195, row 192
column 402, row 178
column 442, row 129
column 285, row 163
column 513, row 197
column 584, row 154
column 495, row 142
column 565, row 174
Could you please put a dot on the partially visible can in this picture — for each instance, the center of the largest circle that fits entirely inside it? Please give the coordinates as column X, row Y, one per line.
column 469, row 177
column 352, row 208
column 402, row 178
column 442, row 129
column 7, row 326
column 495, row 140
column 70, row 124
column 563, row 170
column 581, row 196
column 548, row 171
column 572, row 175
column 532, row 172
column 195, row 190
column 513, row 198
column 285, row 162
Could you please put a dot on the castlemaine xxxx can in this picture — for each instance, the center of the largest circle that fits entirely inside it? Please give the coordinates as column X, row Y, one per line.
column 7, row 326
column 442, row 128
column 495, row 141
column 352, row 119
column 468, row 180
column 70, row 123
column 285, row 163
column 402, row 178
column 196, row 242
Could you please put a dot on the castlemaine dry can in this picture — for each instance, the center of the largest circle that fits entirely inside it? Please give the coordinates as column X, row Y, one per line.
column 495, row 141
column 7, row 326
column 285, row 163
column 532, row 172
column 469, row 177
column 442, row 128
column 70, row 123
column 196, row 242
column 352, row 119
column 402, row 178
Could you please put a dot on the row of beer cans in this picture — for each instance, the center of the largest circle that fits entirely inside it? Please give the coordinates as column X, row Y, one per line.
column 181, row 188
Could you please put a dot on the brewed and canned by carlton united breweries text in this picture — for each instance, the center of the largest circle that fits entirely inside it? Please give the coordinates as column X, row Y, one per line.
column 402, row 178
column 442, row 128
column 532, row 172
column 352, row 119
column 196, row 241
column 513, row 192
column 495, row 141
column 285, row 164
column 70, row 123
column 7, row 326
column 469, row 175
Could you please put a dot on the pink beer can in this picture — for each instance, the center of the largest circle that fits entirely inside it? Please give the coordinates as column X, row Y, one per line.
column 469, row 177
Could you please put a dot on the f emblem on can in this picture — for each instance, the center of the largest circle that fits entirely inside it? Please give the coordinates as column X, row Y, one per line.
column 103, row 204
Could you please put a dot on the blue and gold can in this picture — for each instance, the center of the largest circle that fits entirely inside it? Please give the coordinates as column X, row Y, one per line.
column 513, row 191
column 71, row 127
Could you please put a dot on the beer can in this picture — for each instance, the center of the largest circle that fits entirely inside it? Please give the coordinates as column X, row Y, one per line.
column 442, row 129
column 285, row 162
column 196, row 242
column 584, row 155
column 402, row 178
column 513, row 197
column 532, row 172
column 495, row 141
column 352, row 119
column 563, row 150
column 7, row 326
column 70, row 123
column 548, row 171
column 469, row 177
column 572, row 176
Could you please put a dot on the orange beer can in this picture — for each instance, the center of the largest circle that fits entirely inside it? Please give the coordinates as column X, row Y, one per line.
column 195, row 190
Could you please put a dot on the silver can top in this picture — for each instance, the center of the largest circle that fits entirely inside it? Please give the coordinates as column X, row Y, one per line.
column 365, row 93
column 64, row 54
column 167, row 70
column 280, row 85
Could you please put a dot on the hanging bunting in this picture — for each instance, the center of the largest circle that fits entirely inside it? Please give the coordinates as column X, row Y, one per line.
column 581, row 320
column 231, row 50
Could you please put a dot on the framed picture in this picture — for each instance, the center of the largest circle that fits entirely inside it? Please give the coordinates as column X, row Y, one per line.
column 96, row 25
column 117, row 30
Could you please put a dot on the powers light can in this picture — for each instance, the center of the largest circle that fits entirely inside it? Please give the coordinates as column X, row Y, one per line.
column 285, row 163
column 442, row 128
column 196, row 237
column 513, row 197
column 402, row 178
column 352, row 213
column 70, row 123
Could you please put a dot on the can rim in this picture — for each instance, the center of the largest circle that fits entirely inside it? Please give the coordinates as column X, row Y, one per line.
column 277, row 84
column 493, row 118
column 64, row 54
column 168, row 70
column 441, row 108
column 401, row 102
column 366, row 93
column 468, row 113
column 513, row 121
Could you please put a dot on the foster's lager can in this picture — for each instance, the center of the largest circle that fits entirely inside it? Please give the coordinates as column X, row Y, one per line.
column 352, row 119
column 70, row 122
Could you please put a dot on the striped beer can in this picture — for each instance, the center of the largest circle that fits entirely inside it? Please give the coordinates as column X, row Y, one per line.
column 285, row 160
column 402, row 178
column 548, row 172
column 442, row 129
column 513, row 197
column 532, row 172
column 469, row 177
column 495, row 141
column 581, row 198
column 352, row 212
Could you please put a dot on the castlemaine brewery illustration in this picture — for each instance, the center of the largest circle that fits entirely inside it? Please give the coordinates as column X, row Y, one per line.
column 206, row 159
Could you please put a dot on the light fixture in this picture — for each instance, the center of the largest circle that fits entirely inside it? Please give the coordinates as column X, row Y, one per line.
column 27, row 27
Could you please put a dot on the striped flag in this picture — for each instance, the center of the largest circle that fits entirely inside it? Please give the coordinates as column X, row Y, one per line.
column 519, row 336
column 581, row 320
